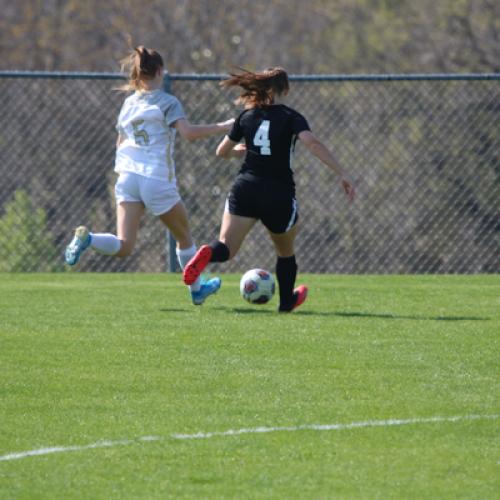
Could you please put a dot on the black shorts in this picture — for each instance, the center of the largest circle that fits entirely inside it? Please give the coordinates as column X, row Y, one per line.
column 270, row 201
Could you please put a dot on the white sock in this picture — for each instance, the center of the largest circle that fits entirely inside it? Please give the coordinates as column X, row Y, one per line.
column 184, row 256
column 105, row 243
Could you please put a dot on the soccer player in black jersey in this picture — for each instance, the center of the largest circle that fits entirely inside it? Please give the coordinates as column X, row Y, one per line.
column 264, row 188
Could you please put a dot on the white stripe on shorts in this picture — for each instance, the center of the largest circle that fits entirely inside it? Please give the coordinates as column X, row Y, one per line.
column 292, row 218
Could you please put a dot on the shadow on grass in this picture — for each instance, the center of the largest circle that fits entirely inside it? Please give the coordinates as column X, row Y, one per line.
column 257, row 310
column 173, row 310
column 412, row 316
column 236, row 310
column 353, row 314
column 243, row 310
column 341, row 314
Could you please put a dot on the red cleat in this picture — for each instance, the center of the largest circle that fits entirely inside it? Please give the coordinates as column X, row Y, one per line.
column 196, row 265
column 300, row 296
column 301, row 293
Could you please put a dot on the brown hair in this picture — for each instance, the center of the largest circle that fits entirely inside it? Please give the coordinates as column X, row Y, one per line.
column 259, row 88
column 141, row 64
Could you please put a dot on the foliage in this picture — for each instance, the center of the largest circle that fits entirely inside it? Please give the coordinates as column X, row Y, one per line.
column 27, row 245
column 322, row 36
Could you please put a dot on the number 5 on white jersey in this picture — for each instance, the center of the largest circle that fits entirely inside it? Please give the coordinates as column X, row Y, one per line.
column 261, row 138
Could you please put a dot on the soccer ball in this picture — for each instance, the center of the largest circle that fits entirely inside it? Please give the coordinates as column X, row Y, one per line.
column 257, row 286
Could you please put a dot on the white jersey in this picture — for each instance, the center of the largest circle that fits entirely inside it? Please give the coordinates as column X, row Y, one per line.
column 147, row 146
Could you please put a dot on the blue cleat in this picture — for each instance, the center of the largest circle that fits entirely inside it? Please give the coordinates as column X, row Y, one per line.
column 208, row 288
column 78, row 245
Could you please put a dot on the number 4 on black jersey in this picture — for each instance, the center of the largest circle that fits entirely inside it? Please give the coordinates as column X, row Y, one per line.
column 270, row 134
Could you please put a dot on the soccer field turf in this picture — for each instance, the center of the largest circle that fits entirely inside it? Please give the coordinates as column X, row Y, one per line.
column 115, row 386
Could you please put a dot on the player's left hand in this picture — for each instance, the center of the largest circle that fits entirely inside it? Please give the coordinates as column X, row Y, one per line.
column 239, row 151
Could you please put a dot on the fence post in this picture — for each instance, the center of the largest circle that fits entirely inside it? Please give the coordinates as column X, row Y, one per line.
column 171, row 261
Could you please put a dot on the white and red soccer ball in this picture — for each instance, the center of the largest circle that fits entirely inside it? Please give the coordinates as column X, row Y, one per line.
column 257, row 286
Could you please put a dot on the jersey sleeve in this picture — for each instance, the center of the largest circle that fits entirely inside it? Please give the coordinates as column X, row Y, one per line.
column 174, row 111
column 236, row 133
column 299, row 124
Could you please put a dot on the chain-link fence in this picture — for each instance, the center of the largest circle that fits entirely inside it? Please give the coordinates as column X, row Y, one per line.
column 424, row 152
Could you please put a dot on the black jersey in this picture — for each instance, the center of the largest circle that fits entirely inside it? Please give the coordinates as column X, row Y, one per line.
column 270, row 133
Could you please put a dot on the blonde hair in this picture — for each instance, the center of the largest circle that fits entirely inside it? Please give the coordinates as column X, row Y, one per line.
column 140, row 64
column 259, row 88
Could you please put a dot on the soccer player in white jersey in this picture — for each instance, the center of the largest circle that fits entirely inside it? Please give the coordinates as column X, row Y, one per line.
column 147, row 125
column 264, row 188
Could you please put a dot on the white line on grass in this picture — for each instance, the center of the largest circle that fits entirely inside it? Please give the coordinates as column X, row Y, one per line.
column 333, row 427
column 253, row 430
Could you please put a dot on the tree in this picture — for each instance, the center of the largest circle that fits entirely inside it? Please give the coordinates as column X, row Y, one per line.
column 207, row 36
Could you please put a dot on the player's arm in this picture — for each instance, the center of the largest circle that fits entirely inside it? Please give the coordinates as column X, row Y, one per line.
column 318, row 149
column 119, row 139
column 192, row 132
column 230, row 149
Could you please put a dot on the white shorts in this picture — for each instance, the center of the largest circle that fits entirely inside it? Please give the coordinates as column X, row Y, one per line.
column 158, row 196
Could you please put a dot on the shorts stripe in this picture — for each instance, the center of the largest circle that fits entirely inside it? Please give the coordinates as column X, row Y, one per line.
column 291, row 222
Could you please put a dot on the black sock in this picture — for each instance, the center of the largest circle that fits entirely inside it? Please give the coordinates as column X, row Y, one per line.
column 286, row 272
column 220, row 252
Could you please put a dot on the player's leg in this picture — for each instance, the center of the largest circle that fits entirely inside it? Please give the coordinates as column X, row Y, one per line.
column 286, row 271
column 163, row 200
column 233, row 230
column 280, row 216
column 128, row 218
column 239, row 217
column 104, row 243
column 129, row 210
column 111, row 244
column 176, row 221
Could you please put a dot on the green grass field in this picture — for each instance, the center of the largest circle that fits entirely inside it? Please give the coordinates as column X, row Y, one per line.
column 115, row 386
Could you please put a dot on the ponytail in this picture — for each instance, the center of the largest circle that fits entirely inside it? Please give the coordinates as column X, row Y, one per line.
column 259, row 88
column 141, row 64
